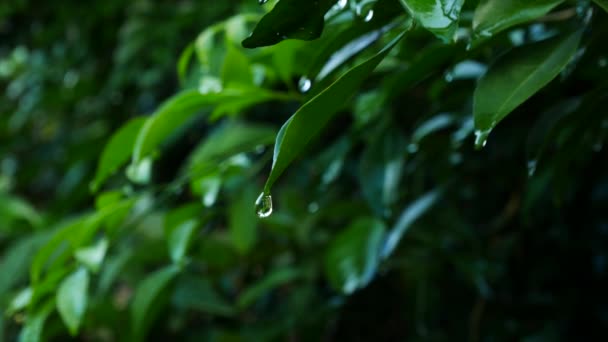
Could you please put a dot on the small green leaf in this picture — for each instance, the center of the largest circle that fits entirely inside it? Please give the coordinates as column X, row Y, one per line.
column 143, row 307
column 179, row 239
column 354, row 254
column 273, row 280
column 493, row 16
column 438, row 16
column 230, row 139
column 411, row 213
column 14, row 208
column 603, row 4
column 72, row 299
column 20, row 301
column 184, row 62
column 290, row 19
column 518, row 75
column 34, row 324
column 117, row 151
column 92, row 256
column 242, row 220
column 197, row 293
column 308, row 121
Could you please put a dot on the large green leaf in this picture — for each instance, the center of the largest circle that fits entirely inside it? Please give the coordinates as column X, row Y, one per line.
column 353, row 256
column 72, row 299
column 308, row 121
column 493, row 16
column 117, row 151
column 438, row 16
column 518, row 75
column 146, row 295
column 297, row 19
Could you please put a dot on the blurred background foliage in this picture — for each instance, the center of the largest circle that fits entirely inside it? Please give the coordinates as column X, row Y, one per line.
column 136, row 138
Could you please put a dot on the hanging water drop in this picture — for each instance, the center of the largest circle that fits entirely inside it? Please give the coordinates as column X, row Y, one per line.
column 342, row 4
column 261, row 2
column 369, row 16
column 263, row 205
column 481, row 138
column 412, row 148
column 304, row 84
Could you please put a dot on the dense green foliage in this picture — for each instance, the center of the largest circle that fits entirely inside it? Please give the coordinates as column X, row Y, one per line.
column 420, row 169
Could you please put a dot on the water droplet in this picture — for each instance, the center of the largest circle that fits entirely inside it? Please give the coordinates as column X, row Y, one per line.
column 342, row 4
column 304, row 84
column 481, row 138
column 313, row 207
column 369, row 16
column 261, row 2
column 455, row 158
column 263, row 205
column 531, row 167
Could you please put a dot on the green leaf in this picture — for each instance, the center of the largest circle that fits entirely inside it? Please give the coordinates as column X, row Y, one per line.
column 179, row 239
column 230, row 139
column 20, row 301
column 177, row 111
column 72, row 299
column 34, row 324
column 14, row 208
column 380, row 170
column 144, row 300
column 493, row 16
column 117, row 151
column 290, row 19
column 242, row 220
column 438, row 16
column 236, row 68
column 411, row 213
column 354, row 254
column 603, row 4
column 308, row 121
column 184, row 62
column 198, row 294
column 273, row 280
column 92, row 256
column 518, row 75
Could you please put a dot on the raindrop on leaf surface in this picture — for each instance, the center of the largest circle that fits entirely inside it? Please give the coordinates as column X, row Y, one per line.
column 304, row 84
column 263, row 205
column 342, row 3
column 261, row 2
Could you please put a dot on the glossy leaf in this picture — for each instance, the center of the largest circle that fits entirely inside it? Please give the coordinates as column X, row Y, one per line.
column 438, row 16
column 92, row 256
column 493, row 16
column 179, row 239
column 236, row 68
column 518, row 75
column 281, row 23
column 117, row 151
column 146, row 294
column 32, row 331
column 72, row 299
column 354, row 254
column 177, row 111
column 228, row 140
column 413, row 211
column 310, row 119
